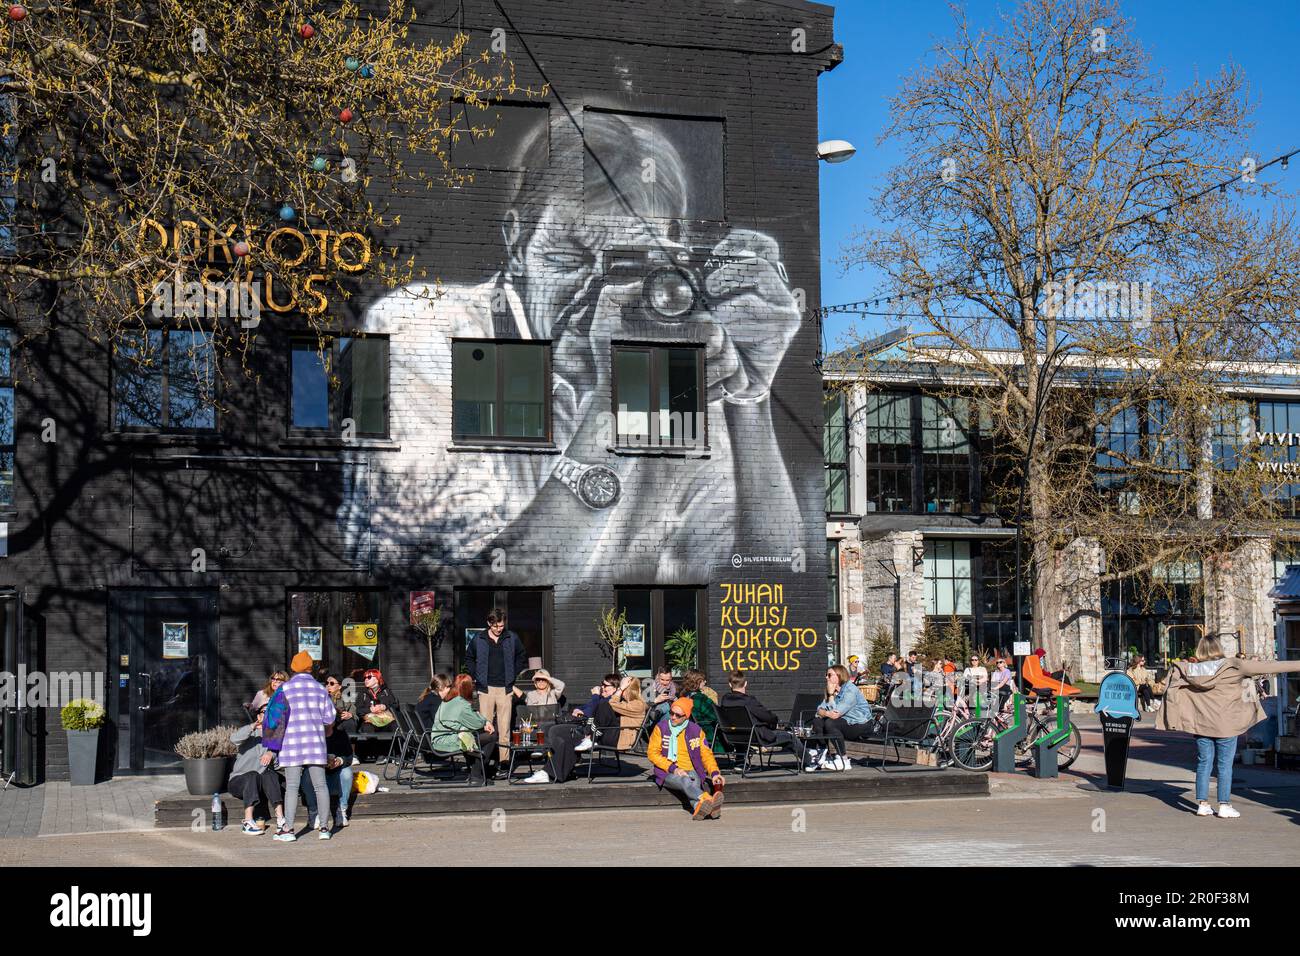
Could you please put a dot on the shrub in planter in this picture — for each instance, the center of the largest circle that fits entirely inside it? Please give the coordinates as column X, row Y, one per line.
column 206, row 757
column 82, row 718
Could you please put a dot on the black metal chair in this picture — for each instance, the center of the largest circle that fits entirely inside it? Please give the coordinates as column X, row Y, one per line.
column 643, row 733
column 404, row 735
column 909, row 724
column 605, row 744
column 744, row 740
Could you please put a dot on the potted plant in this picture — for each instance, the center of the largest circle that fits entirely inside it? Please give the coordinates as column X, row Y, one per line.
column 609, row 626
column 82, row 719
column 207, row 756
column 428, row 624
column 682, row 648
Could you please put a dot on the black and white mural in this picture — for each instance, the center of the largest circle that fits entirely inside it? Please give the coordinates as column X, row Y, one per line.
column 643, row 438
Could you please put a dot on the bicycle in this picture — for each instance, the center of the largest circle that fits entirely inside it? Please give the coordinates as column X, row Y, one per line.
column 972, row 740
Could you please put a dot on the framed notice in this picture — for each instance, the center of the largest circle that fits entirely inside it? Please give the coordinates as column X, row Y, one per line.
column 471, row 633
column 362, row 639
column 176, row 640
column 310, row 640
column 634, row 640
column 422, row 603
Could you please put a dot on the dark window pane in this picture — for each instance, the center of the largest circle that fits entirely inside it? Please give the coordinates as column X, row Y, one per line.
column 6, row 477
column 363, row 370
column 636, row 603
column 679, row 614
column 523, row 372
column 190, row 378
column 137, row 380
column 474, row 388
column 632, row 375
column 525, row 616
column 660, row 167
column 6, row 353
column 519, row 137
column 311, row 405
column 6, row 416
column 680, row 398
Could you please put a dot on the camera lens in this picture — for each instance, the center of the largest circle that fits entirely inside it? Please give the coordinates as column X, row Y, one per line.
column 670, row 292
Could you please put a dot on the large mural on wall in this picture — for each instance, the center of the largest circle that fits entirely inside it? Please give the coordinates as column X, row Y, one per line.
column 644, row 258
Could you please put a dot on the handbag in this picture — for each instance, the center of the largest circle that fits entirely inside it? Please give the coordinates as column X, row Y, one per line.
column 468, row 742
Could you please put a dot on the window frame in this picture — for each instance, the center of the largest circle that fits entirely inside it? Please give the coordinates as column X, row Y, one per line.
column 164, row 426
column 657, row 351
column 334, row 397
column 7, row 501
column 498, row 402
column 835, row 467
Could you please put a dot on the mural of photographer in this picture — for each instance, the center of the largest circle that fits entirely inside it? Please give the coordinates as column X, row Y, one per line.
column 630, row 340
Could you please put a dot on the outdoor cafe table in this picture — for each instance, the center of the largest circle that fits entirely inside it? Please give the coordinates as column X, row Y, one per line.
column 530, row 750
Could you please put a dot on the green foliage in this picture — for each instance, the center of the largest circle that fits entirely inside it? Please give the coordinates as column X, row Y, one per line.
column 882, row 645
column 947, row 640
column 609, row 626
column 682, row 649
column 82, row 714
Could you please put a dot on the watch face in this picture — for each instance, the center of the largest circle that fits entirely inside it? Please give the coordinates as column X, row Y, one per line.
column 599, row 487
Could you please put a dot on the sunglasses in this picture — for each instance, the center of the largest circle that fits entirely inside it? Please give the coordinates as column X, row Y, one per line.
column 677, row 713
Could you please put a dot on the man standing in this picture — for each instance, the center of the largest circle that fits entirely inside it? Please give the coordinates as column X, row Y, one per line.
column 494, row 659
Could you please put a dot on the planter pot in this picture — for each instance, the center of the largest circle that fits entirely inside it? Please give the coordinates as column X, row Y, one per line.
column 83, row 756
column 205, row 777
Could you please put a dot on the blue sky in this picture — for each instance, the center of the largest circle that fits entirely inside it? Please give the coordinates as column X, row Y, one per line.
column 885, row 40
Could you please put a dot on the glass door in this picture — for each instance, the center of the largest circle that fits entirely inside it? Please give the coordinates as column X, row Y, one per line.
column 665, row 625
column 165, row 643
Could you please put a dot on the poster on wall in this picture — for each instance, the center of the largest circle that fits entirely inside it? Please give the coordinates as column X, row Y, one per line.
column 634, row 640
column 176, row 640
column 310, row 640
column 422, row 603
column 362, row 638
column 471, row 633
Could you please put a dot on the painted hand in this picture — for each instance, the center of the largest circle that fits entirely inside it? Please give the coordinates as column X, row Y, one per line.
column 754, row 316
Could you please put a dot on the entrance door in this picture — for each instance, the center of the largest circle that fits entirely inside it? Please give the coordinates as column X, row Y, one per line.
column 164, row 644
column 668, row 625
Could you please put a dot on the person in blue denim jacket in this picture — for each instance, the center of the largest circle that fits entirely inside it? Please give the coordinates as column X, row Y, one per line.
column 843, row 715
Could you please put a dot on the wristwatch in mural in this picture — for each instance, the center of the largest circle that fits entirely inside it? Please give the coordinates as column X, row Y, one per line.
column 595, row 485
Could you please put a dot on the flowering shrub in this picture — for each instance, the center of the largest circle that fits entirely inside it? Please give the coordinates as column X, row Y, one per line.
column 82, row 714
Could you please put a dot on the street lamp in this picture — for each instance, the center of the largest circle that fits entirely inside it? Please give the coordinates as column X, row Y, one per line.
column 835, row 150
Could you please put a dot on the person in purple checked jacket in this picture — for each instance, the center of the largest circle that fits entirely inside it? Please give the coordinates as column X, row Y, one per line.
column 311, row 716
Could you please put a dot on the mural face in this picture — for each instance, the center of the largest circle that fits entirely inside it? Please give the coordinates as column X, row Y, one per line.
column 637, row 262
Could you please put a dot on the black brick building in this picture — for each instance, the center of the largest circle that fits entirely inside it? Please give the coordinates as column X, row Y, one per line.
column 613, row 402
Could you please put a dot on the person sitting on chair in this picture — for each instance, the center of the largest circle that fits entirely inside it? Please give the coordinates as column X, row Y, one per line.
column 1145, row 680
column 660, row 692
column 843, row 715
column 458, row 728
column 565, row 741
column 252, row 779
column 765, row 722
column 684, row 763
column 704, row 711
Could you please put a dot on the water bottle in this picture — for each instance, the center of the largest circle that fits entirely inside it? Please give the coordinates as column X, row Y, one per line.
column 218, row 812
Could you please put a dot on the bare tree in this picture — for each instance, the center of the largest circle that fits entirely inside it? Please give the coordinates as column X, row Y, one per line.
column 1055, row 228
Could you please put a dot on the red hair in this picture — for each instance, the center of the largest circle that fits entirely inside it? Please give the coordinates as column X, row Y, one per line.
column 464, row 686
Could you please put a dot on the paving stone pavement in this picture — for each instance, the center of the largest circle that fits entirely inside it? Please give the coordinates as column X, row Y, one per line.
column 123, row 803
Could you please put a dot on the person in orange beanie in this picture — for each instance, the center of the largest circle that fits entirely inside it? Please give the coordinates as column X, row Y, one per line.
column 684, row 763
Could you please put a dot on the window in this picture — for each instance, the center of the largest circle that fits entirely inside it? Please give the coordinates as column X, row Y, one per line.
column 8, row 176
column 1277, row 422
column 6, row 418
column 658, row 395
column 946, row 454
column 529, row 613
column 833, row 616
column 1119, row 433
column 344, row 626
column 501, row 390
column 652, row 167
column 1285, row 554
column 947, row 577
column 346, row 380
column 887, row 451
column 163, row 381
column 518, row 137
column 835, row 445
column 997, row 591
column 663, row 617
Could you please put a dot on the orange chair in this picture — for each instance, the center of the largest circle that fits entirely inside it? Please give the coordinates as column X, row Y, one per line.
column 1032, row 672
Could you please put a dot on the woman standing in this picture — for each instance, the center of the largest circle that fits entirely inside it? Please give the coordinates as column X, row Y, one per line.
column 1214, row 698
column 311, row 711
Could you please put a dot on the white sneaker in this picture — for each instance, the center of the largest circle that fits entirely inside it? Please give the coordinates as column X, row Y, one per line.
column 843, row 763
column 341, row 819
column 540, row 776
column 325, row 834
column 1226, row 811
column 814, row 757
column 587, row 744
column 1205, row 810
column 285, row 836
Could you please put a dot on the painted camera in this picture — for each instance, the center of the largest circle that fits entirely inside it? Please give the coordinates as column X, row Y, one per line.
column 672, row 276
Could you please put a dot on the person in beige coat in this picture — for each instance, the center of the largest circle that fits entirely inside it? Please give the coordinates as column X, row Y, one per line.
column 1145, row 680
column 1215, row 699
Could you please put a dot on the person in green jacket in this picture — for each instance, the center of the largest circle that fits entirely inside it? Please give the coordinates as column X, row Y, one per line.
column 703, row 712
column 458, row 727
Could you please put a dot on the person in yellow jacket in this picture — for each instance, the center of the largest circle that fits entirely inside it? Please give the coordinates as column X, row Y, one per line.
column 684, row 763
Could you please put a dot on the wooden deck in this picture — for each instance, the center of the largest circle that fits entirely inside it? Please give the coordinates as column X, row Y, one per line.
column 632, row 789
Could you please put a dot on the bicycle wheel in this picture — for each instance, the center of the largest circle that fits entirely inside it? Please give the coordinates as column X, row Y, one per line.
column 971, row 744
